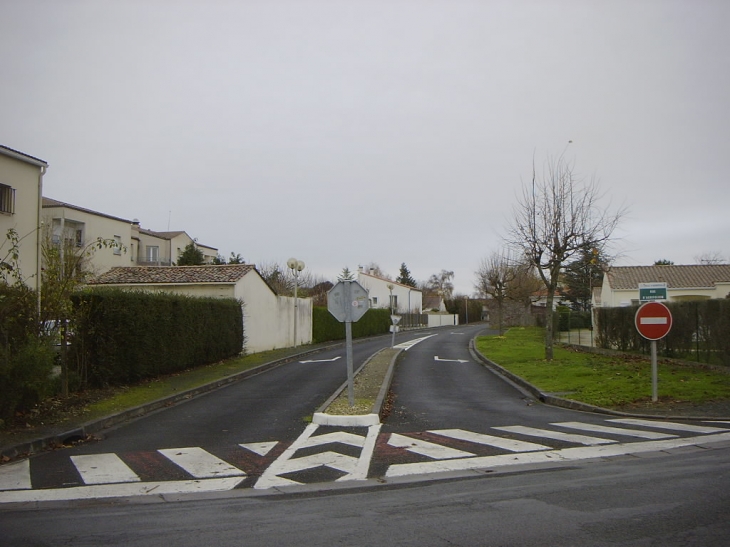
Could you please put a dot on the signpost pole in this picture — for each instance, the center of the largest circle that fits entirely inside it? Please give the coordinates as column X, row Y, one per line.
column 654, row 382
column 348, row 343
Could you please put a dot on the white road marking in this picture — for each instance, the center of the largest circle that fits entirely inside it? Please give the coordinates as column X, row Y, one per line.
column 123, row 490
column 15, row 476
column 336, row 437
column 321, row 360
column 490, row 440
column 103, row 469
column 200, row 463
column 410, row 343
column 669, row 425
column 556, row 435
column 260, row 448
column 552, row 456
column 437, row 358
column 424, row 448
column 615, row 430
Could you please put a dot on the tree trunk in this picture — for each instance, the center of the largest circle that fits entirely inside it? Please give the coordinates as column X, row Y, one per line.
column 549, row 323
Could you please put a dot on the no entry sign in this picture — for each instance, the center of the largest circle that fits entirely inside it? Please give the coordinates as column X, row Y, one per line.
column 653, row 320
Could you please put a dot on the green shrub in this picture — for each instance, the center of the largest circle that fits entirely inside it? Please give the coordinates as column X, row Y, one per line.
column 326, row 328
column 125, row 336
column 25, row 376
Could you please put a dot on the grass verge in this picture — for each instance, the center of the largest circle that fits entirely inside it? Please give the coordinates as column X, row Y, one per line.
column 618, row 382
column 57, row 415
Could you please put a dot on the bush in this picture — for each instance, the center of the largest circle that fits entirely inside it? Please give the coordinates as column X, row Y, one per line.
column 326, row 328
column 25, row 376
column 123, row 337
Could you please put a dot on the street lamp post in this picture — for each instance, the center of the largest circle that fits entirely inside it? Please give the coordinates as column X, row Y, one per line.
column 296, row 266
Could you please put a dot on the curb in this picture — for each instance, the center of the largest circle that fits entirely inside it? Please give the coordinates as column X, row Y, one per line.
column 320, row 417
column 531, row 390
column 94, row 426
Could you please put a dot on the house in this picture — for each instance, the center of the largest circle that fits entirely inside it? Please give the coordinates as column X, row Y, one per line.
column 268, row 319
column 80, row 227
column 385, row 293
column 21, row 188
column 685, row 282
column 164, row 248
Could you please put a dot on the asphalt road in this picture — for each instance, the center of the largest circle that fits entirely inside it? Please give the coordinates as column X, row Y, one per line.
column 662, row 500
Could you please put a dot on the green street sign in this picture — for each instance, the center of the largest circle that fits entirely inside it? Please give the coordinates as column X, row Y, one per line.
column 652, row 291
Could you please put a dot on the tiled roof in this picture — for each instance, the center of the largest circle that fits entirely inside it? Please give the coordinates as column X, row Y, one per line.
column 224, row 273
column 676, row 277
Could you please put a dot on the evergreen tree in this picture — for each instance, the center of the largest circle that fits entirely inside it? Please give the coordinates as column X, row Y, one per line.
column 581, row 275
column 191, row 256
column 404, row 277
column 346, row 275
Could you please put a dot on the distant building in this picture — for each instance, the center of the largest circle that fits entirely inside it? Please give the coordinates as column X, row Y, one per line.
column 385, row 293
column 685, row 282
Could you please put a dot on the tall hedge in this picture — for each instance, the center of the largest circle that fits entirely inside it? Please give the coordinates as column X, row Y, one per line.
column 122, row 337
column 700, row 331
column 326, row 328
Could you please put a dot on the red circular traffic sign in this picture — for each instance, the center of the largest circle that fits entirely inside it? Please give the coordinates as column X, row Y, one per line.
column 653, row 320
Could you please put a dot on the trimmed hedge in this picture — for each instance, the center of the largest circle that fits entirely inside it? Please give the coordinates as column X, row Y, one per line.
column 123, row 337
column 700, row 331
column 326, row 328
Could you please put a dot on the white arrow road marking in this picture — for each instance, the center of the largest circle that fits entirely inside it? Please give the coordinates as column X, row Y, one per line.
column 489, row 440
column 410, row 343
column 15, row 476
column 103, row 469
column 437, row 358
column 557, row 435
column 425, row 448
column 336, row 437
column 552, row 456
column 200, row 464
column 669, row 425
column 260, row 448
column 615, row 430
column 356, row 468
column 321, row 360
column 123, row 490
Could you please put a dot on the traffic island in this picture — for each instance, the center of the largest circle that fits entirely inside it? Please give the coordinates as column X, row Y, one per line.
column 370, row 386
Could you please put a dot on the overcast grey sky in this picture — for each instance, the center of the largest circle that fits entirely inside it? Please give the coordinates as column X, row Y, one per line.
column 348, row 132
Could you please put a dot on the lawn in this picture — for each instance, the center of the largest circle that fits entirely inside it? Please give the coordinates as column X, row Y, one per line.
column 606, row 381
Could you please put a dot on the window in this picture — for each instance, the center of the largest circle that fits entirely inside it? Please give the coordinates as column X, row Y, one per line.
column 153, row 253
column 117, row 245
column 393, row 301
column 79, row 238
column 375, row 300
column 7, row 199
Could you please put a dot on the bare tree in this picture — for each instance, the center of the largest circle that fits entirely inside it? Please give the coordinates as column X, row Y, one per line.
column 441, row 284
column 557, row 216
column 503, row 277
column 714, row 257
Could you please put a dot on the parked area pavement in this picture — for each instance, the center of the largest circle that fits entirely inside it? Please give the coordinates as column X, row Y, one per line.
column 425, row 437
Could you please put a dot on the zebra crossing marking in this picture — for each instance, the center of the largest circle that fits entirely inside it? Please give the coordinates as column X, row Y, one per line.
column 425, row 448
column 262, row 449
column 555, row 435
column 103, row 469
column 15, row 475
column 614, row 430
column 669, row 425
column 121, row 490
column 354, row 468
column 551, row 456
column 200, row 463
column 490, row 440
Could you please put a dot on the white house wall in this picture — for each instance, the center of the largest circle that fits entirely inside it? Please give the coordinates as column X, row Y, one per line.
column 408, row 298
column 94, row 226
column 269, row 318
column 24, row 178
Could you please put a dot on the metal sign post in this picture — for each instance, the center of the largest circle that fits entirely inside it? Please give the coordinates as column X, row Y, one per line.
column 348, row 301
column 653, row 321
